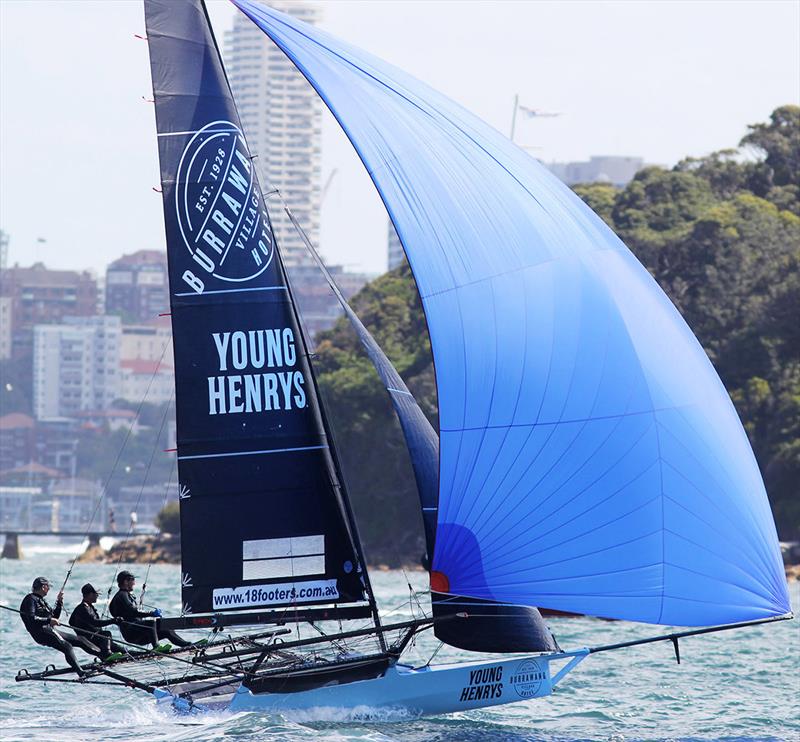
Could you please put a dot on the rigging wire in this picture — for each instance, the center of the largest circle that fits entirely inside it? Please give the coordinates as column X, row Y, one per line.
column 311, row 346
column 163, row 505
column 338, row 484
column 117, row 460
column 156, row 444
column 433, row 656
column 412, row 595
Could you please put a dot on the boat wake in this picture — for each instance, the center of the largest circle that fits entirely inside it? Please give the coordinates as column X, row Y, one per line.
column 336, row 714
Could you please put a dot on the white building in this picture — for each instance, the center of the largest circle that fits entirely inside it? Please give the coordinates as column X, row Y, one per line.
column 75, row 366
column 146, row 381
column 282, row 116
column 151, row 341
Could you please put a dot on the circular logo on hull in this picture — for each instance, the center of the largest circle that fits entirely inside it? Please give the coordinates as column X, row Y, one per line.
column 219, row 208
column 527, row 678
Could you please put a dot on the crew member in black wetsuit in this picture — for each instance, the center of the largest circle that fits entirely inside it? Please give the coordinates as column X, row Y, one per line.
column 89, row 625
column 133, row 629
column 40, row 620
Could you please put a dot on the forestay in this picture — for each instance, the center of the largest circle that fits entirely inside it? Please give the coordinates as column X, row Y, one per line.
column 262, row 519
column 590, row 458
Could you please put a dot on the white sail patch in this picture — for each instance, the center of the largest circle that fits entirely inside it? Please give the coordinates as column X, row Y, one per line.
column 253, row 350
column 270, row 569
column 271, row 558
column 271, row 548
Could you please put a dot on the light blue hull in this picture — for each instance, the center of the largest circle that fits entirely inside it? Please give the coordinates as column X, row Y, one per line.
column 422, row 691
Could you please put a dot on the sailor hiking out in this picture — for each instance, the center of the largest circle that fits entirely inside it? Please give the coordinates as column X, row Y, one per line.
column 40, row 620
column 88, row 623
column 133, row 629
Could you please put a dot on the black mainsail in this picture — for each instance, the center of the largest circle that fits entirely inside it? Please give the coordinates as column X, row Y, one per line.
column 265, row 522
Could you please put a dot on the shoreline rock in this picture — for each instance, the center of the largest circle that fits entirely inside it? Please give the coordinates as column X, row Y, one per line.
column 164, row 548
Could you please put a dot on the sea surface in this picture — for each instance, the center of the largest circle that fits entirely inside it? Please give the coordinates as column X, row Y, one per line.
column 738, row 685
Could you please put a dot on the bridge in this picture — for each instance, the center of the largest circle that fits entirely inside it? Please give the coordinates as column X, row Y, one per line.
column 12, row 550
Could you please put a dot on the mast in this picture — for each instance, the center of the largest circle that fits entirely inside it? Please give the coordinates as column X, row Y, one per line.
column 334, row 467
column 330, row 455
column 342, row 498
column 259, row 483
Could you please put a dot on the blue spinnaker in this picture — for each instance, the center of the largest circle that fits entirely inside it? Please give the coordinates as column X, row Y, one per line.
column 590, row 458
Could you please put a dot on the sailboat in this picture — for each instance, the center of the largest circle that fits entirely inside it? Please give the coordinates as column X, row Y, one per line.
column 588, row 458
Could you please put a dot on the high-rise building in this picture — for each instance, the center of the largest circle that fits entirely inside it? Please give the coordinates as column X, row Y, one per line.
column 41, row 297
column 395, row 254
column 282, row 119
column 137, row 286
column 75, row 366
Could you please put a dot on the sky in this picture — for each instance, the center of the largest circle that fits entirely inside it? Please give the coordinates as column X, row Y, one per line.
column 658, row 80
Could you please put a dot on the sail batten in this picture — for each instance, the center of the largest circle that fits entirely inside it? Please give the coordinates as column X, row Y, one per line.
column 568, row 384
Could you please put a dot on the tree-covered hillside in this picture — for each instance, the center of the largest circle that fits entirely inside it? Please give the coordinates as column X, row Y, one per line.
column 721, row 235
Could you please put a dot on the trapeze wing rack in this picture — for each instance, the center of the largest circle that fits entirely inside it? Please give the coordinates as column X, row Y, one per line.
column 123, row 670
column 284, row 616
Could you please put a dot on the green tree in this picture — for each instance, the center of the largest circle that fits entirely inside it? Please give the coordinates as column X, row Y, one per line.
column 779, row 143
column 723, row 171
column 168, row 519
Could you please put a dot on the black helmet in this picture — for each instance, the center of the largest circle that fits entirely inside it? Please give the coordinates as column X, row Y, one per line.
column 125, row 575
column 88, row 588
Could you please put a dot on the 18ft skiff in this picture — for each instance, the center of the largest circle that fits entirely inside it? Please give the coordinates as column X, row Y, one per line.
column 588, row 458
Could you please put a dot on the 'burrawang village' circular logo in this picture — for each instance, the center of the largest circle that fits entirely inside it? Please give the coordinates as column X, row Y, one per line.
column 527, row 678
column 219, row 209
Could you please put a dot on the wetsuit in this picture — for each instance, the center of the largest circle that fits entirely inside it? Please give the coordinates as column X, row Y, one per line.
column 123, row 606
column 86, row 618
column 36, row 615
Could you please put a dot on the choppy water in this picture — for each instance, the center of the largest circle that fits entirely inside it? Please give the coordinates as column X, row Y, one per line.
column 735, row 686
